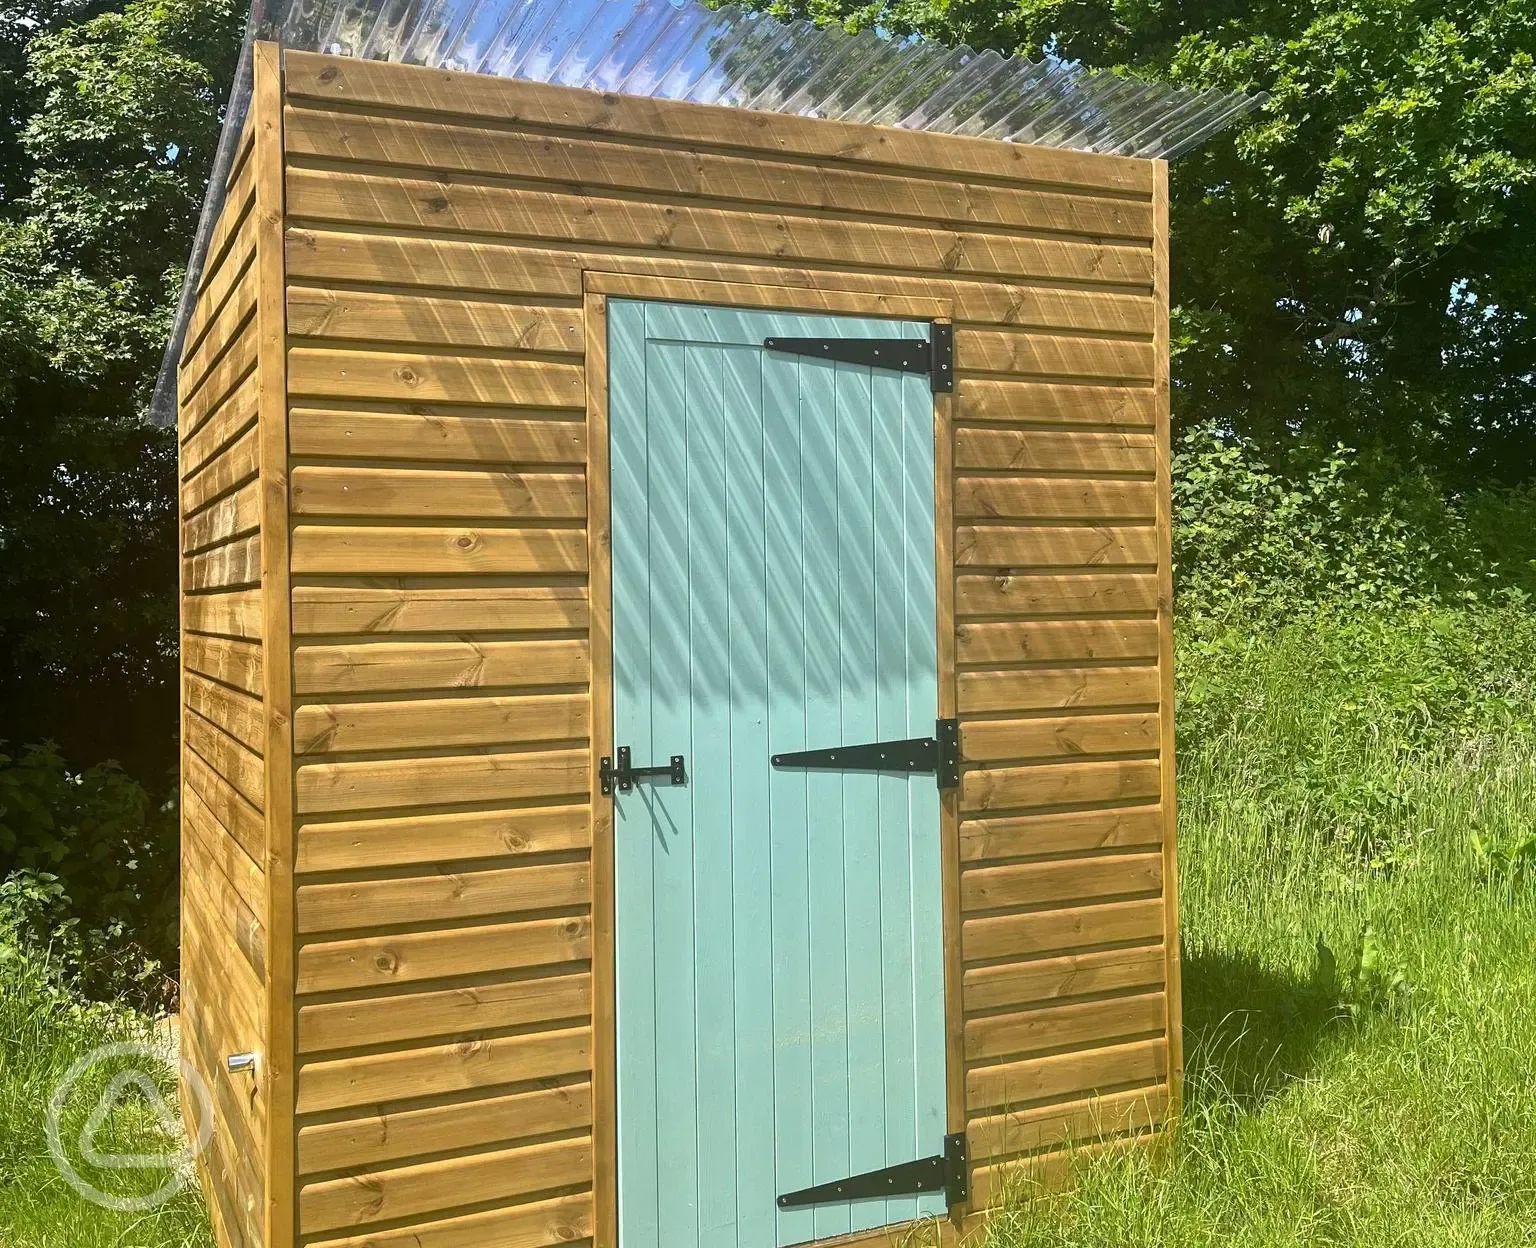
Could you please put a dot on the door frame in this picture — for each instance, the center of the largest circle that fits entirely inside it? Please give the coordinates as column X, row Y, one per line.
column 598, row 286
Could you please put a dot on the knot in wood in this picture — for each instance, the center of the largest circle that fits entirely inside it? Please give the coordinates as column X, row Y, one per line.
column 386, row 962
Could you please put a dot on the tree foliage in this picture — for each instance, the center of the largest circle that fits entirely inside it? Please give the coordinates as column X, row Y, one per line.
column 115, row 115
column 1357, row 261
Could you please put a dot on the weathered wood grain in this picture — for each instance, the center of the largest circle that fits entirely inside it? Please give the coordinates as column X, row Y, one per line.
column 603, row 224
column 469, row 1009
column 1073, row 736
column 428, row 321
column 1058, row 784
column 372, row 550
column 1078, row 831
column 1042, row 883
column 397, row 1135
column 436, row 435
column 452, row 896
column 577, row 161
column 390, row 608
column 476, row 777
column 371, row 961
column 426, row 838
column 437, row 495
column 1019, row 546
column 1018, row 984
column 388, row 666
column 1009, row 594
column 1013, row 936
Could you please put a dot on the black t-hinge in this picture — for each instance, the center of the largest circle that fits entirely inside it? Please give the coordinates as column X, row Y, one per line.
column 936, row 357
column 939, row 754
column 949, row 1172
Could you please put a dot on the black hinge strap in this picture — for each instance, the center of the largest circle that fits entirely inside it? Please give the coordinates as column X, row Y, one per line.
column 949, row 1172
column 936, row 357
column 939, row 754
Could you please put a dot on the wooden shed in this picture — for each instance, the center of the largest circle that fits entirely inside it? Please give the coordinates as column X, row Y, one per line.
column 677, row 732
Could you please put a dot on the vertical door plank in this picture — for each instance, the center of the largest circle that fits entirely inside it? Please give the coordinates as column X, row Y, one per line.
column 928, row 853
column 785, row 465
column 858, row 695
column 895, row 643
column 634, row 987
column 674, row 896
column 708, row 706
column 821, row 465
column 742, row 403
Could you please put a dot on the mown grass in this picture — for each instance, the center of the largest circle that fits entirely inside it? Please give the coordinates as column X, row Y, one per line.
column 1359, row 912
column 44, row 1029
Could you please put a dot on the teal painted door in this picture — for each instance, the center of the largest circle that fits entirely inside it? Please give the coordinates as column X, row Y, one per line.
column 778, row 933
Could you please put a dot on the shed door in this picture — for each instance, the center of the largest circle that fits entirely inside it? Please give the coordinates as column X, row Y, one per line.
column 779, row 934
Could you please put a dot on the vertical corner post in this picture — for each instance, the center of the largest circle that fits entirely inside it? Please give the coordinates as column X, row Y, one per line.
column 1160, row 348
column 277, row 692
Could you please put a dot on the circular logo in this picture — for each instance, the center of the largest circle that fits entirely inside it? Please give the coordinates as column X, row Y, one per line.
column 131, row 1073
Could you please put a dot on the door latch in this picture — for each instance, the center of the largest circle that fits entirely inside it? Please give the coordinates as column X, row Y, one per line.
column 624, row 775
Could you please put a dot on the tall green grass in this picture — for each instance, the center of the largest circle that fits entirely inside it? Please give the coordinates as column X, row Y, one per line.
column 44, row 1027
column 1358, row 802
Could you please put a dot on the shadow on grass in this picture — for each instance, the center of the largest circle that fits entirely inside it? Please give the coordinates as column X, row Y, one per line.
column 1249, row 1029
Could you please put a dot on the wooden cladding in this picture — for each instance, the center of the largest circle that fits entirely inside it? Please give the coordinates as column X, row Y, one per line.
column 226, row 944
column 407, row 544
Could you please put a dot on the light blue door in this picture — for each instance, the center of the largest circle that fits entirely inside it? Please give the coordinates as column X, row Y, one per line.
column 779, row 935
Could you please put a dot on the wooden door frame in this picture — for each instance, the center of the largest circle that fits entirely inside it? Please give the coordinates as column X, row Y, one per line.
column 598, row 287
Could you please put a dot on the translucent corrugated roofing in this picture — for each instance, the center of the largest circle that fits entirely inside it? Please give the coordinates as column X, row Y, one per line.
column 736, row 58
column 680, row 50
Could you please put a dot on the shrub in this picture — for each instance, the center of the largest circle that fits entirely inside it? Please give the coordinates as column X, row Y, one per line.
column 90, row 862
column 1336, row 525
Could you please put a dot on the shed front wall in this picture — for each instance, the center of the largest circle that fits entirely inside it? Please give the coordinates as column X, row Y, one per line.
column 450, row 241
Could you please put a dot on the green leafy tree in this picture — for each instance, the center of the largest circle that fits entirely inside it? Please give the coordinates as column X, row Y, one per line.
column 115, row 118
column 1357, row 261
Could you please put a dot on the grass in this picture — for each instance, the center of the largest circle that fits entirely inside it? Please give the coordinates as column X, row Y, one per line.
column 1358, row 843
column 43, row 1031
column 1359, row 909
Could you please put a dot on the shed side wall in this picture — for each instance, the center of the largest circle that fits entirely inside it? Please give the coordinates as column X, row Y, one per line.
column 438, row 229
column 224, row 945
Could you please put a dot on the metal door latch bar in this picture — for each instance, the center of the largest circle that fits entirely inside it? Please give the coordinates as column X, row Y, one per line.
column 935, row 357
column 624, row 775
column 939, row 754
column 949, row 1172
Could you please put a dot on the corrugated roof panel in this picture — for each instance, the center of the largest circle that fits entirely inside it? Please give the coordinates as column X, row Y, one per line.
column 740, row 58
column 733, row 57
